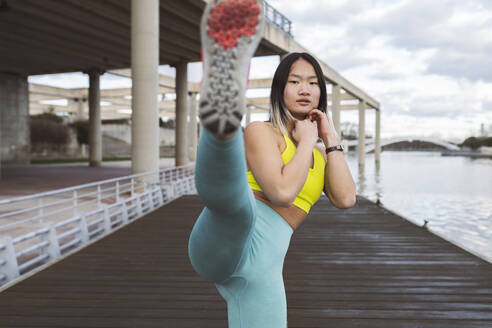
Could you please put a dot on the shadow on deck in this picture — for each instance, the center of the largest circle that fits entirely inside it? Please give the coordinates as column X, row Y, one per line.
column 362, row 267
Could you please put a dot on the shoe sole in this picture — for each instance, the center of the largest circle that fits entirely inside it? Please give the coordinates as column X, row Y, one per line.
column 230, row 32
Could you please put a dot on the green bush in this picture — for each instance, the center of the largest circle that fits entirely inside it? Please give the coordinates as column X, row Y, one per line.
column 475, row 143
column 49, row 117
column 122, row 121
column 82, row 131
column 169, row 124
column 47, row 131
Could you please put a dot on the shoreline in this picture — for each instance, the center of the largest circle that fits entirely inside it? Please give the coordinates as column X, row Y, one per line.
column 471, row 154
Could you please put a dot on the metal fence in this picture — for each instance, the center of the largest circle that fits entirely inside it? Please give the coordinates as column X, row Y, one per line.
column 276, row 18
column 38, row 229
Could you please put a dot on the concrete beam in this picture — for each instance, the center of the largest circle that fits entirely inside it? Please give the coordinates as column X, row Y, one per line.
column 342, row 96
column 260, row 83
column 165, row 81
column 39, row 89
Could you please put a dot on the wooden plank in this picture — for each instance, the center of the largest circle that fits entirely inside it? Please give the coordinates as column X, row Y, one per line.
column 361, row 267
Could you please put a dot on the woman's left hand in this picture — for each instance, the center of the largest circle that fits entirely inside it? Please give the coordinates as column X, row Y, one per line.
column 325, row 127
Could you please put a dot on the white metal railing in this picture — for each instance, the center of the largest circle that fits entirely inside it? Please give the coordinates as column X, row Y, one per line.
column 38, row 229
column 276, row 18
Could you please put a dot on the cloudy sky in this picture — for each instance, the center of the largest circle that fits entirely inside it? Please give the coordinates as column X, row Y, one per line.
column 429, row 63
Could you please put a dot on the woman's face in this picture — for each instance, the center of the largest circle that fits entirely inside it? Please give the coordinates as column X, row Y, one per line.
column 301, row 93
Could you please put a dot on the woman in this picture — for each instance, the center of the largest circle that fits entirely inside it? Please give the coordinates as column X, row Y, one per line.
column 258, row 186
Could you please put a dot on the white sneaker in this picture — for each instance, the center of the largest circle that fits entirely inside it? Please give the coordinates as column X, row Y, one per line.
column 230, row 33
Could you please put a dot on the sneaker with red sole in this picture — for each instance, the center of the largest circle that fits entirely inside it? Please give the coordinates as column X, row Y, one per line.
column 230, row 33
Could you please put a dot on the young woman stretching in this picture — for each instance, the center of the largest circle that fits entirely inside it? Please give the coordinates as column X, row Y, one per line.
column 258, row 187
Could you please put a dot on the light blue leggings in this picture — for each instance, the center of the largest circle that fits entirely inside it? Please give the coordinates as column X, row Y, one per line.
column 238, row 242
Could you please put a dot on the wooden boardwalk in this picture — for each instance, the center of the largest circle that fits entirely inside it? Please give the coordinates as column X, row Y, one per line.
column 362, row 267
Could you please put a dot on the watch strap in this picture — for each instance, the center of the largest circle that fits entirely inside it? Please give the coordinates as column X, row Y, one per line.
column 337, row 147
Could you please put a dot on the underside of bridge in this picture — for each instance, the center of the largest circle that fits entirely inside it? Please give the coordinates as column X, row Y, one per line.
column 55, row 36
column 94, row 36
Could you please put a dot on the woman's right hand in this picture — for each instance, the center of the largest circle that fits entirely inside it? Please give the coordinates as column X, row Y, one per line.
column 305, row 130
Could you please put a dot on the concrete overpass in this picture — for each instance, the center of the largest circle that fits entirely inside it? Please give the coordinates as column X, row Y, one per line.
column 116, row 102
column 93, row 36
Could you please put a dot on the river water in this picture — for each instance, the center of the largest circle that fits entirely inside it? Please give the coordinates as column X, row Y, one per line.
column 454, row 194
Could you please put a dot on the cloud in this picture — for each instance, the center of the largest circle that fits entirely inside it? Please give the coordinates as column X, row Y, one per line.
column 487, row 106
column 342, row 31
column 459, row 32
column 473, row 66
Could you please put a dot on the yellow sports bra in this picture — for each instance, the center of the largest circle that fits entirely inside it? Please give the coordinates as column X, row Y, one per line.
column 311, row 191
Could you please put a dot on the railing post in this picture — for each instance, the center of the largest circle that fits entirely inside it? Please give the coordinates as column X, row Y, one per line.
column 9, row 267
column 84, row 230
column 107, row 220
column 139, row 206
column 124, row 213
column 75, row 203
column 98, row 195
column 117, row 196
column 191, row 184
column 149, row 198
column 166, row 190
column 53, row 248
column 160, row 199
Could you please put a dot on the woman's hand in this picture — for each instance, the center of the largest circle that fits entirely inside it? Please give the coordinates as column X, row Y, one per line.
column 326, row 129
column 325, row 126
column 306, row 129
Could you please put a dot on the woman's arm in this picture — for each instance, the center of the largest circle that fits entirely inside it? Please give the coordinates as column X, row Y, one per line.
column 339, row 185
column 281, row 183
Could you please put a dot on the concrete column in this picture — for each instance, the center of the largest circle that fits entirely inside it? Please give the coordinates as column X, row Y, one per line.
column 14, row 119
column 95, row 134
column 377, row 149
column 335, row 107
column 144, row 64
column 181, row 113
column 193, row 127
column 362, row 132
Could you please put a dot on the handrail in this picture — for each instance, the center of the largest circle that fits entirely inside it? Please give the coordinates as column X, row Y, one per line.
column 276, row 18
column 78, row 216
column 91, row 184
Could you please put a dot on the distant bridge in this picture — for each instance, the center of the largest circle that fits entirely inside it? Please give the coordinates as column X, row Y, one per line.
column 389, row 141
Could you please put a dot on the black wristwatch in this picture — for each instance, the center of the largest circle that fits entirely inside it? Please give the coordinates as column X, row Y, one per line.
column 338, row 147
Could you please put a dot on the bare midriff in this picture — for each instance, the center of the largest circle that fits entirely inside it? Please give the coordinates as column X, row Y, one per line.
column 293, row 215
